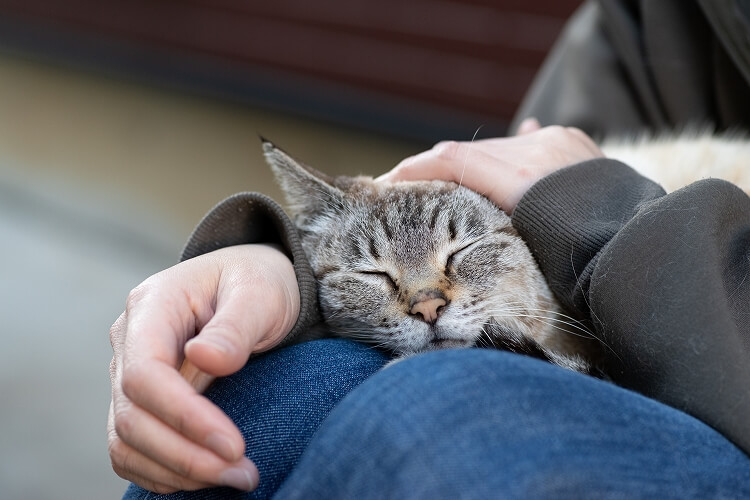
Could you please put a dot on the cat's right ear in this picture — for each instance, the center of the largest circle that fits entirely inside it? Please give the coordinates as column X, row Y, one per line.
column 309, row 193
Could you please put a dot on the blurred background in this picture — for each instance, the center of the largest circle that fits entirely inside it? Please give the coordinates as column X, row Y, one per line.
column 123, row 122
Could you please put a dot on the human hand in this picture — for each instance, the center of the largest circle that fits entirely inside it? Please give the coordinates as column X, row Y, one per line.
column 163, row 435
column 501, row 169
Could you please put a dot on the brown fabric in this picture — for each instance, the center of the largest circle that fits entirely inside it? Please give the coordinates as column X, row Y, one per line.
column 256, row 218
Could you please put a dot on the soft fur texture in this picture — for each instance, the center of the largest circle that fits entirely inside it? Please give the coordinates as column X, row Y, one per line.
column 676, row 160
column 417, row 266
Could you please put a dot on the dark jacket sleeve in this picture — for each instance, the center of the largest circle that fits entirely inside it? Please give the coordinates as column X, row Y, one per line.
column 663, row 279
column 256, row 218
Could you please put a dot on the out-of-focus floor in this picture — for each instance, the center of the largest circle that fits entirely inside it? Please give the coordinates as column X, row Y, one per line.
column 101, row 181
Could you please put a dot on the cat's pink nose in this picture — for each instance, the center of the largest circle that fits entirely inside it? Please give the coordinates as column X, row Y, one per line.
column 428, row 305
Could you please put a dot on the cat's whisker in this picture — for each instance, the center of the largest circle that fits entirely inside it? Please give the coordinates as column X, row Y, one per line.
column 579, row 325
column 519, row 307
column 484, row 337
column 566, row 320
column 466, row 156
column 551, row 320
column 422, row 237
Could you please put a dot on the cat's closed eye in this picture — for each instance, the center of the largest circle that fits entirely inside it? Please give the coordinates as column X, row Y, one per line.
column 449, row 262
column 382, row 275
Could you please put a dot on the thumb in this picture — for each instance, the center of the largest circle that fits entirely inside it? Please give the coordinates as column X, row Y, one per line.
column 250, row 316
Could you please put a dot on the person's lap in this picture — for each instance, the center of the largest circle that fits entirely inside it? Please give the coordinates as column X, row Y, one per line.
column 462, row 423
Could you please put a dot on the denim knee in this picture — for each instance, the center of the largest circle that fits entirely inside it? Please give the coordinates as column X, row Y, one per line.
column 487, row 424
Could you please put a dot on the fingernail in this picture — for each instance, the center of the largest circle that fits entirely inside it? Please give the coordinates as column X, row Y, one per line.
column 242, row 479
column 223, row 447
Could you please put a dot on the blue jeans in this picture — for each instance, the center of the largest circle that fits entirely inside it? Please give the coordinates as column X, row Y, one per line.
column 461, row 424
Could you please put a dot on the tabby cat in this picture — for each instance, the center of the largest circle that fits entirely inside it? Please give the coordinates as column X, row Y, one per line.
column 418, row 266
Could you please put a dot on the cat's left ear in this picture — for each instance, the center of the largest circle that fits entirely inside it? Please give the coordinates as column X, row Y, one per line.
column 309, row 193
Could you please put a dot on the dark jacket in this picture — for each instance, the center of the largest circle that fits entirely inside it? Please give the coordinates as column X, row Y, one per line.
column 625, row 66
column 663, row 279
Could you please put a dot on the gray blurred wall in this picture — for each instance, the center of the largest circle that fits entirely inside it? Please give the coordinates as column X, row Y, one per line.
column 100, row 183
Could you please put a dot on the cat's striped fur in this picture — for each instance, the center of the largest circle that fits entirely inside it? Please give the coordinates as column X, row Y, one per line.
column 417, row 266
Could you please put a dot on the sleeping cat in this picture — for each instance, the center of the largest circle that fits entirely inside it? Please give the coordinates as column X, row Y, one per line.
column 412, row 267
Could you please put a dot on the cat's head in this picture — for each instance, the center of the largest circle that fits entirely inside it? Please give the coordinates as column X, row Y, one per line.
column 411, row 266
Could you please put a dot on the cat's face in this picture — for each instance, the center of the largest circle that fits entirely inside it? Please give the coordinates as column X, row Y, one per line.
column 412, row 266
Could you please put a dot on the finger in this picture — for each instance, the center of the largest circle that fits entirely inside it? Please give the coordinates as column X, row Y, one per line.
column 586, row 141
column 116, row 339
column 448, row 160
column 139, row 469
column 442, row 162
column 467, row 164
column 185, row 411
column 116, row 333
column 196, row 377
column 152, row 352
column 133, row 466
column 149, row 453
column 253, row 313
column 528, row 125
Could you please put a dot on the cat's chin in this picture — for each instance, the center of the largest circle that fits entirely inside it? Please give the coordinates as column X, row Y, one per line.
column 436, row 344
column 446, row 344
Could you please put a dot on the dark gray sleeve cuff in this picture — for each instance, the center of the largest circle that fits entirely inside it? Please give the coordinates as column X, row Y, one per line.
column 569, row 216
column 255, row 218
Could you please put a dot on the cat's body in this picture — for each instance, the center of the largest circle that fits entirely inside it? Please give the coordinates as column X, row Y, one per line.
column 676, row 160
column 418, row 266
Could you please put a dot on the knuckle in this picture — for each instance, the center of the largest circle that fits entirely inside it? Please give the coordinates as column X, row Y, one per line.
column 187, row 466
column 124, row 463
column 136, row 295
column 123, row 473
column 118, row 455
column 181, row 423
column 115, row 331
column 134, row 377
column 130, row 379
column 123, row 426
column 555, row 130
column 575, row 130
column 113, row 369
column 141, row 292
column 578, row 134
column 448, row 150
column 114, row 335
